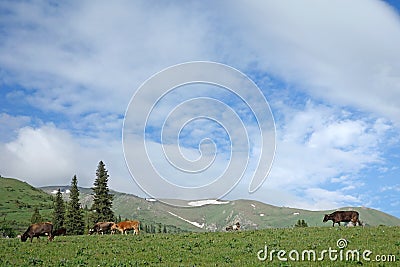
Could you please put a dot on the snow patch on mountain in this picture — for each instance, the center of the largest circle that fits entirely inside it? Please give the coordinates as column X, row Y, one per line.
column 192, row 223
column 200, row 203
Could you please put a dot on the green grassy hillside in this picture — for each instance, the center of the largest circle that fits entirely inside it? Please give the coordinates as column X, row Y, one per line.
column 17, row 202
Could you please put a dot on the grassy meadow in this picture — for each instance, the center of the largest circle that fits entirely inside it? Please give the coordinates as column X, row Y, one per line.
column 205, row 249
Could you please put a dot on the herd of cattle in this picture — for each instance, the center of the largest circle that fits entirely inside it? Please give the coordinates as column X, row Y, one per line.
column 46, row 228
column 123, row 227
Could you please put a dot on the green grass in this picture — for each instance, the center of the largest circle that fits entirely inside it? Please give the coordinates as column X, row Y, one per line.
column 201, row 249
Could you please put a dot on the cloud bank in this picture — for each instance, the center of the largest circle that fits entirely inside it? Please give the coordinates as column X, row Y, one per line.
column 329, row 69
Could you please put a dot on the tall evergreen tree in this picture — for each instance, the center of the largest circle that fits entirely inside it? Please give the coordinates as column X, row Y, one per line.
column 87, row 219
column 74, row 221
column 36, row 217
column 59, row 211
column 102, row 201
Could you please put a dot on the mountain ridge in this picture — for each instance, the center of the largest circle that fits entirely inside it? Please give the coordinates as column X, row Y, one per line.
column 18, row 199
column 215, row 215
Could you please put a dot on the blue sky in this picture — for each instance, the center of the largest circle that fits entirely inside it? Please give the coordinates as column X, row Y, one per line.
column 330, row 71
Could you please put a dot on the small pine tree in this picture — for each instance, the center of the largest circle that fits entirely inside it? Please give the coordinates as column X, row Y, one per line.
column 102, row 201
column 36, row 217
column 301, row 223
column 74, row 221
column 59, row 211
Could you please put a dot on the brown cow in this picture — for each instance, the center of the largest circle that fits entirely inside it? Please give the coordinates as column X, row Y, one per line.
column 38, row 229
column 343, row 216
column 101, row 227
column 125, row 226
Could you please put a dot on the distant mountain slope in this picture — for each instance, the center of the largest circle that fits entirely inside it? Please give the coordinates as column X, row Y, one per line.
column 215, row 217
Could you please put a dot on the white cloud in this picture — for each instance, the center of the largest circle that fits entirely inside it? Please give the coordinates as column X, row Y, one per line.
column 102, row 52
column 325, row 199
column 394, row 188
column 51, row 156
column 42, row 154
column 10, row 125
column 321, row 152
column 81, row 62
column 317, row 143
column 343, row 52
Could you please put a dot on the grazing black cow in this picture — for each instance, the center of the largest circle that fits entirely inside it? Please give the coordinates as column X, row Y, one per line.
column 343, row 216
column 38, row 229
column 60, row 231
column 236, row 226
column 101, row 227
